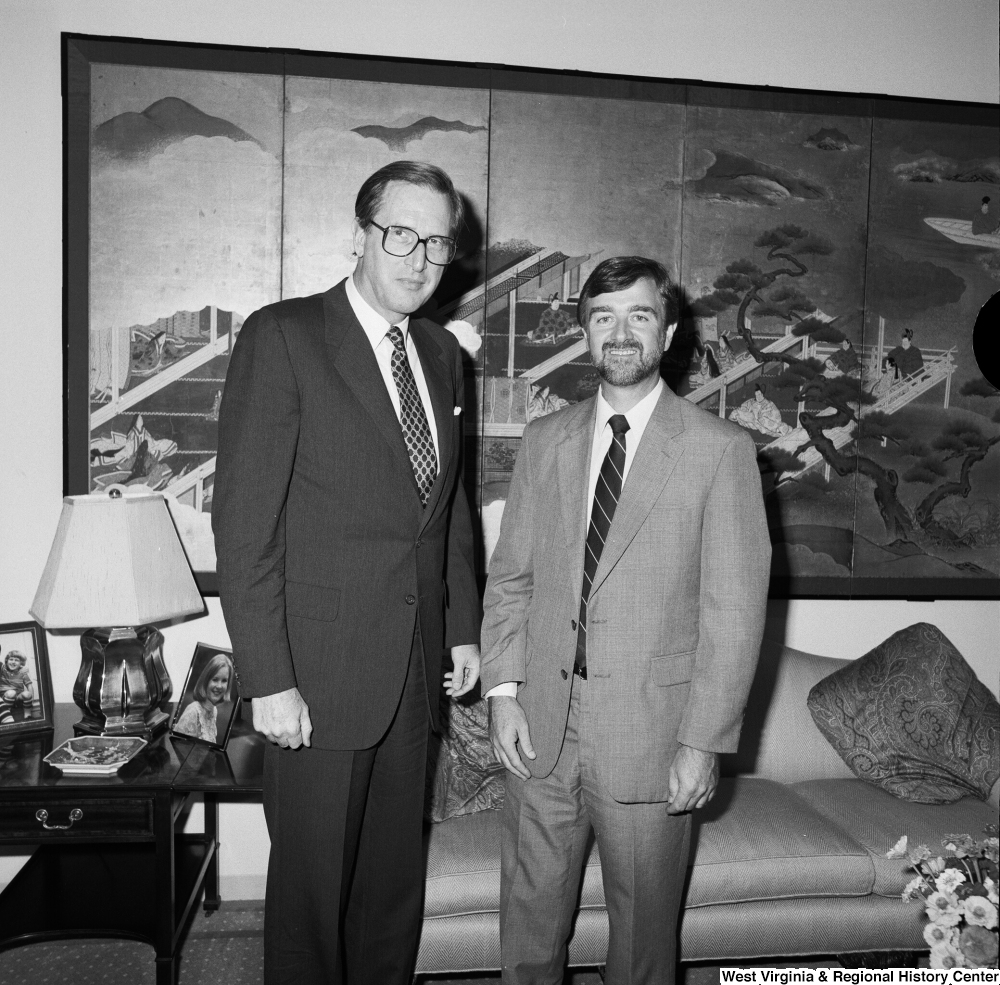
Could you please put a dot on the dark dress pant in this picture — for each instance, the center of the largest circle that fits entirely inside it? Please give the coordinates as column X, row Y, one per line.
column 345, row 878
column 546, row 828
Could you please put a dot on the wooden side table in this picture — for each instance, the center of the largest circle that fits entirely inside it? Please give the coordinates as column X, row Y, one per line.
column 110, row 861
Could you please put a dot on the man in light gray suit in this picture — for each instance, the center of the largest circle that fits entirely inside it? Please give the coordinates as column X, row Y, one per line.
column 624, row 613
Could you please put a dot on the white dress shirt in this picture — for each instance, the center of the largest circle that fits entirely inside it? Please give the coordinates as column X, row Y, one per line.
column 638, row 417
column 377, row 328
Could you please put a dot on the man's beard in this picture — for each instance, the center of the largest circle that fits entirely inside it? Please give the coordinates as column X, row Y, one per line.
column 617, row 373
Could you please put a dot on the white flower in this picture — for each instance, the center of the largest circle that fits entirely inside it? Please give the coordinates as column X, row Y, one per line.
column 898, row 850
column 914, row 889
column 980, row 911
column 946, row 956
column 468, row 338
column 950, row 880
column 991, row 890
column 936, row 933
column 943, row 908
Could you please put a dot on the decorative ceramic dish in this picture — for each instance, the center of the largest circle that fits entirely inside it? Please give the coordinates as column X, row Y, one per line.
column 95, row 753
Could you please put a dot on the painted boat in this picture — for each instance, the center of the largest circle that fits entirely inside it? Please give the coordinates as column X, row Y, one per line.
column 960, row 231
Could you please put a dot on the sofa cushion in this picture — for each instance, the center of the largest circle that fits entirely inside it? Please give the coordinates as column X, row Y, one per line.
column 803, row 928
column 911, row 717
column 876, row 820
column 757, row 840
column 806, row 927
column 463, row 867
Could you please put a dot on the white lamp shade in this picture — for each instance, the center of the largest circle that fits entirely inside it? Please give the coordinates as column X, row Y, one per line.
column 115, row 562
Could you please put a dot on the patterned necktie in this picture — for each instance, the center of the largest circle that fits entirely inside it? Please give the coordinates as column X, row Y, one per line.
column 413, row 419
column 606, row 496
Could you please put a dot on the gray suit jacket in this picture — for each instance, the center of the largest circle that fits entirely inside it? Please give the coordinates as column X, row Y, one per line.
column 676, row 610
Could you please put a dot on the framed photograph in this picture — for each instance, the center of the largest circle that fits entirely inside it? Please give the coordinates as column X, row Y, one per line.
column 832, row 252
column 25, row 685
column 209, row 702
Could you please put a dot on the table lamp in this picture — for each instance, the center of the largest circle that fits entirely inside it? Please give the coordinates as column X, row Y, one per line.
column 117, row 563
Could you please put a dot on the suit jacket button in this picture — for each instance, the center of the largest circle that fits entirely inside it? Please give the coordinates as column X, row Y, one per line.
column 564, row 674
column 410, row 599
column 572, row 625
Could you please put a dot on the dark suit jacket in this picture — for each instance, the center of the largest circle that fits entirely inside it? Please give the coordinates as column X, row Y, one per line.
column 326, row 557
column 676, row 609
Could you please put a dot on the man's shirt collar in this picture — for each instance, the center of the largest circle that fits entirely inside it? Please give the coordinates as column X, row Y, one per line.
column 372, row 322
column 638, row 417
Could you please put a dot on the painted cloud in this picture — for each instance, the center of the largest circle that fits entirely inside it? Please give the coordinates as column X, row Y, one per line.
column 398, row 138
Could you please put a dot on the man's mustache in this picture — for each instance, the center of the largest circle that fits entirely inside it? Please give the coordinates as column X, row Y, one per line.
column 626, row 344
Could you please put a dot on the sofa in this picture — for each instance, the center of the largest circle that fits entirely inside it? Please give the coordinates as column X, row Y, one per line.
column 788, row 860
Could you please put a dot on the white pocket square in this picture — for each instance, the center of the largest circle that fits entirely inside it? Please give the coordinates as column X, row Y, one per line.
column 457, row 411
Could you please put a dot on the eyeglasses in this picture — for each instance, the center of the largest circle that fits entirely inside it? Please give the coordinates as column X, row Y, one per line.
column 401, row 241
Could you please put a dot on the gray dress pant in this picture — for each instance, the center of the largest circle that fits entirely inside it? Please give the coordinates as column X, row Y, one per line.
column 644, row 855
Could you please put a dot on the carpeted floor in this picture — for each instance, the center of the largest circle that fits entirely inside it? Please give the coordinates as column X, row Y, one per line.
column 226, row 946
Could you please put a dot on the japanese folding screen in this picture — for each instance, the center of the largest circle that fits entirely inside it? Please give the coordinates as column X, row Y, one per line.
column 832, row 253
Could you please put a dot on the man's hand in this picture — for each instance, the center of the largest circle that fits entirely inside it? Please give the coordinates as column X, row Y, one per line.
column 508, row 729
column 283, row 718
column 693, row 778
column 461, row 680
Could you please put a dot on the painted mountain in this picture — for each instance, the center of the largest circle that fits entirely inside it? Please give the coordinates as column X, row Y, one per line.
column 830, row 138
column 934, row 168
column 136, row 135
column 397, row 138
column 737, row 178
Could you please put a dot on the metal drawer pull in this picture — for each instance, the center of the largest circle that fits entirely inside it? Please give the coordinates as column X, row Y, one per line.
column 43, row 816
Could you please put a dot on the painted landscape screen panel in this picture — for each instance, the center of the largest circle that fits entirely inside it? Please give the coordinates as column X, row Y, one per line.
column 832, row 254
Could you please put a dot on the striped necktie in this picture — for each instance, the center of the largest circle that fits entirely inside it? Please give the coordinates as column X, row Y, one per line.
column 606, row 496
column 412, row 418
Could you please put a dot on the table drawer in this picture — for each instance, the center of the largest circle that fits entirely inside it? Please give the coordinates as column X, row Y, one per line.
column 92, row 817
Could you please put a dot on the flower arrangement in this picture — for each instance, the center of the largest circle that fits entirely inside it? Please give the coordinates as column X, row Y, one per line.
column 959, row 890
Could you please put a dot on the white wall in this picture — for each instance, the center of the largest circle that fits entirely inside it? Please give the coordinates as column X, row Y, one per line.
column 941, row 49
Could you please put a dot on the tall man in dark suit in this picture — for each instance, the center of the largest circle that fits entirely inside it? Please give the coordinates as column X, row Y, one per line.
column 623, row 618
column 345, row 566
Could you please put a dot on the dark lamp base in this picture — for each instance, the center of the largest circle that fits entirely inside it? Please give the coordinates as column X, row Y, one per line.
column 123, row 686
column 154, row 725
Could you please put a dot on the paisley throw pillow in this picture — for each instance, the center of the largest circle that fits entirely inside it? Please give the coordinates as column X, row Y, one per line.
column 911, row 717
